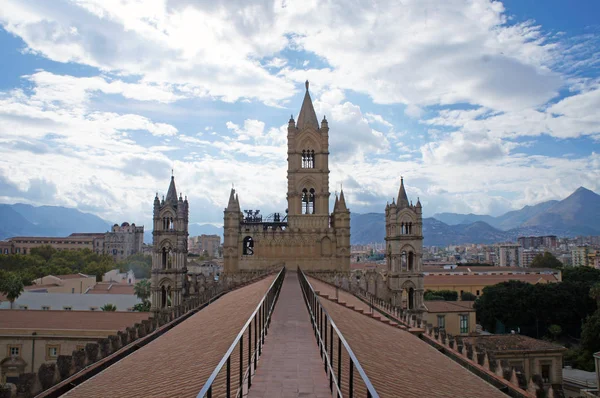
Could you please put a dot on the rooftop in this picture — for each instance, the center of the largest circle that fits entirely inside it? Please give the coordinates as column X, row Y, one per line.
column 449, row 306
column 408, row 356
column 111, row 288
column 512, row 342
column 452, row 280
column 57, row 301
column 179, row 362
column 69, row 320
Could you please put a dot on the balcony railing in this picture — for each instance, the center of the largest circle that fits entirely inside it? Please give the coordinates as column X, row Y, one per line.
column 237, row 367
column 338, row 358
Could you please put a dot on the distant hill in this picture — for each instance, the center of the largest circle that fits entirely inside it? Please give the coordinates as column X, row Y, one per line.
column 510, row 220
column 578, row 214
column 22, row 219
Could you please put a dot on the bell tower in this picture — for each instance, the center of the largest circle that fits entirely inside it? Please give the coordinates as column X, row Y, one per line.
column 308, row 169
column 169, row 256
column 404, row 241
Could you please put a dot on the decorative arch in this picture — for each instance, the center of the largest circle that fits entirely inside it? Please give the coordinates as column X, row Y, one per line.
column 408, row 285
column 306, row 182
column 326, row 246
column 309, row 139
column 248, row 246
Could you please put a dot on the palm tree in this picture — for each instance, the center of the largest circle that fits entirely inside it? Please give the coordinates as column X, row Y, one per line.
column 12, row 287
column 142, row 290
column 109, row 307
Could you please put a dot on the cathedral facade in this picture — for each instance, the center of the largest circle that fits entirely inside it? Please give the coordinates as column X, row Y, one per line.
column 169, row 255
column 404, row 242
column 307, row 234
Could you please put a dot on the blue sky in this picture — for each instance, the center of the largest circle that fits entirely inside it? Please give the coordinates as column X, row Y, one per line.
column 482, row 106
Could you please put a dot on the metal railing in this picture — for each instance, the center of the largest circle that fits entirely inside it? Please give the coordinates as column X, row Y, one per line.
column 240, row 368
column 332, row 345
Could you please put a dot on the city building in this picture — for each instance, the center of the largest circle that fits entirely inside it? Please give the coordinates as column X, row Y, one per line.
column 594, row 258
column 475, row 283
column 7, row 247
column 534, row 242
column 122, row 241
column 306, row 234
column 527, row 256
column 71, row 302
column 76, row 241
column 112, row 288
column 31, row 338
column 455, row 317
column 579, row 256
column 509, row 255
column 169, row 259
column 72, row 283
column 526, row 355
column 208, row 243
column 115, row 275
column 206, row 268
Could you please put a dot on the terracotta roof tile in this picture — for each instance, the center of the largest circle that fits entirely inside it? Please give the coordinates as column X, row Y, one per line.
column 111, row 288
column 69, row 320
column 178, row 363
column 72, row 276
column 400, row 364
column 449, row 306
column 512, row 342
column 451, row 280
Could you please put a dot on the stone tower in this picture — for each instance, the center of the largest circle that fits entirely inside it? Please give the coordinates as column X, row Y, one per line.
column 306, row 235
column 231, row 232
column 308, row 169
column 404, row 241
column 169, row 256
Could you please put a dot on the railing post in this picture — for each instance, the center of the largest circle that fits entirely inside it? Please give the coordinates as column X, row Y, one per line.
column 331, row 356
column 249, row 356
column 256, row 349
column 339, row 367
column 351, row 379
column 228, row 377
column 241, row 362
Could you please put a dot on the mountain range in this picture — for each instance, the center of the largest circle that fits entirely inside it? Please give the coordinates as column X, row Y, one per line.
column 577, row 214
column 25, row 220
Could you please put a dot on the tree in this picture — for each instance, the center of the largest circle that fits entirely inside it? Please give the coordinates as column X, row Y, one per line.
column 11, row 286
column 142, row 307
column 448, row 295
column 142, row 290
column 109, row 307
column 595, row 293
column 468, row 296
column 546, row 260
column 555, row 331
column 46, row 252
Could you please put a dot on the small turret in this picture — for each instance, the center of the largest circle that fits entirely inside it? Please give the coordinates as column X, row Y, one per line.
column 418, row 207
column 324, row 124
column 232, row 204
column 172, row 192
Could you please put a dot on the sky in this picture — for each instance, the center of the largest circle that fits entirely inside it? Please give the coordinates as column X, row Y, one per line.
column 482, row 106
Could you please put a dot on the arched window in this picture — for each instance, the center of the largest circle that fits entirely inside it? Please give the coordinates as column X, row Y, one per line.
column 411, row 298
column 163, row 262
column 248, row 246
column 163, row 298
column 308, row 159
column 403, row 261
column 311, row 202
column 411, row 261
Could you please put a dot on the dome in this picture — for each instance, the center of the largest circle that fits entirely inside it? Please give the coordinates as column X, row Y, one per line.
column 125, row 224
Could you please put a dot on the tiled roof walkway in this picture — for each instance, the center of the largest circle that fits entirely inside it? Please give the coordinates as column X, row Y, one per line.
column 178, row 363
column 290, row 365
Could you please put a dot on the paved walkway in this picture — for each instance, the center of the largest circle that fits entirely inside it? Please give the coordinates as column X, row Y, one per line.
column 290, row 365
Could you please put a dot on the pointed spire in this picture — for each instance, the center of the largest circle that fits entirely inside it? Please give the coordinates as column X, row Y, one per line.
column 335, row 206
column 342, row 202
column 231, row 205
column 172, row 192
column 402, row 197
column 307, row 116
column 418, row 202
